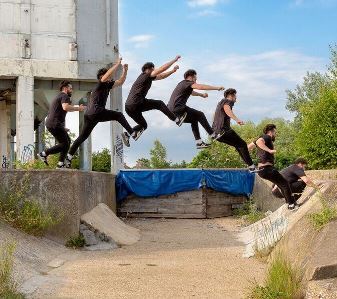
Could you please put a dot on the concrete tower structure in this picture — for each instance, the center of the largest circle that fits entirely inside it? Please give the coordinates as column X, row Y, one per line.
column 41, row 43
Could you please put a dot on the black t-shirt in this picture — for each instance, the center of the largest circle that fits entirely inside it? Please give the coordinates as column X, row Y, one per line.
column 139, row 89
column 293, row 173
column 180, row 95
column 222, row 122
column 56, row 115
column 263, row 156
column 99, row 97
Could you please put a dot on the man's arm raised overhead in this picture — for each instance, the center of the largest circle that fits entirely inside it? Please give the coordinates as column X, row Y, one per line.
column 111, row 71
column 164, row 67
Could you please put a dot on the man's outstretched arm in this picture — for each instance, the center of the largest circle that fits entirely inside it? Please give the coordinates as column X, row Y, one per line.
column 206, row 87
column 164, row 67
column 111, row 71
column 199, row 94
column 166, row 74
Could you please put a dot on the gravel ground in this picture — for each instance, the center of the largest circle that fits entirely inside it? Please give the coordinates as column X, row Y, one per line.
column 174, row 259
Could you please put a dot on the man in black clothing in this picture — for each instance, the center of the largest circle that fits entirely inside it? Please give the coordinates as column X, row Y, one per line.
column 225, row 134
column 296, row 177
column 137, row 103
column 265, row 153
column 96, row 111
column 56, row 123
column 177, row 105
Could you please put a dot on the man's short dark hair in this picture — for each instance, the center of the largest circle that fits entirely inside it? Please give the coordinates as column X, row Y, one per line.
column 229, row 91
column 101, row 72
column 301, row 161
column 189, row 73
column 268, row 128
column 147, row 66
column 64, row 83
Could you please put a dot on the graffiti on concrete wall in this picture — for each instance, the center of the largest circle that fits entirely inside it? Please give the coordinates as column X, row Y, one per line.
column 5, row 162
column 119, row 149
column 27, row 153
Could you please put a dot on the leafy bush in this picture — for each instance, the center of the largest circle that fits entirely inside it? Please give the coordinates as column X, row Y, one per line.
column 317, row 138
column 101, row 161
column 75, row 242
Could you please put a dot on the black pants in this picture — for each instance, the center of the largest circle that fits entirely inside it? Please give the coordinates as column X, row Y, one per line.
column 233, row 139
column 135, row 112
column 90, row 121
column 297, row 189
column 63, row 145
column 194, row 117
column 271, row 174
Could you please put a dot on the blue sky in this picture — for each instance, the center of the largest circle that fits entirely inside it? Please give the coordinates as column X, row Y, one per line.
column 259, row 47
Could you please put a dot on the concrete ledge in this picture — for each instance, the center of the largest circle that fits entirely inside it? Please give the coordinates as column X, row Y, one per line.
column 73, row 192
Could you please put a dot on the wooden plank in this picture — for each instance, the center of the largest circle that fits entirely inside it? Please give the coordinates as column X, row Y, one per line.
column 155, row 215
column 156, row 202
column 173, row 209
column 225, row 200
column 219, row 211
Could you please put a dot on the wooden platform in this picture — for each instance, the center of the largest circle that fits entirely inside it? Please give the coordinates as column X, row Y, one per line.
column 202, row 203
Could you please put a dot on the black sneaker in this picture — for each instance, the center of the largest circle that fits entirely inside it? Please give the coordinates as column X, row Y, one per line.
column 67, row 163
column 253, row 169
column 43, row 158
column 61, row 166
column 126, row 139
column 202, row 145
column 293, row 207
column 138, row 134
column 181, row 119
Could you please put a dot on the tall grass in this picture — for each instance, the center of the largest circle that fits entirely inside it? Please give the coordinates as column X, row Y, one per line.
column 8, row 287
column 283, row 281
column 327, row 214
column 249, row 212
column 26, row 214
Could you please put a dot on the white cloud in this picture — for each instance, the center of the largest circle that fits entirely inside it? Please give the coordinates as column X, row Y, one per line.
column 207, row 13
column 142, row 40
column 312, row 3
column 197, row 3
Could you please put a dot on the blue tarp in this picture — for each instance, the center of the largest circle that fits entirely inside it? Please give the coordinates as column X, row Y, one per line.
column 151, row 183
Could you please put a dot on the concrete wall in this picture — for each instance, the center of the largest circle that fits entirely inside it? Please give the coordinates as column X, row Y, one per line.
column 82, row 34
column 73, row 192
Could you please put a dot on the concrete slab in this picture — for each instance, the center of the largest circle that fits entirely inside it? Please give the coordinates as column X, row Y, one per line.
column 268, row 231
column 105, row 221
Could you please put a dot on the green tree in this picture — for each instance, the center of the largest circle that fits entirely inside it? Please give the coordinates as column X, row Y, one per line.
column 143, row 163
column 101, row 160
column 158, row 156
column 317, row 138
column 309, row 90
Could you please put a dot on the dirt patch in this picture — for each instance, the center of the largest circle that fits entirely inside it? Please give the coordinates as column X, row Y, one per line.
column 174, row 259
